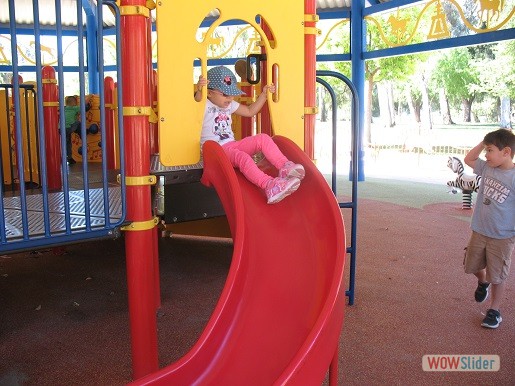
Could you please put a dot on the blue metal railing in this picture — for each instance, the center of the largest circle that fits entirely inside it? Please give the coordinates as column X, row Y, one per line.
column 354, row 172
column 35, row 218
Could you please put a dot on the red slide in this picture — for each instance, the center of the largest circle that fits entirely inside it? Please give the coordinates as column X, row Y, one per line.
column 280, row 314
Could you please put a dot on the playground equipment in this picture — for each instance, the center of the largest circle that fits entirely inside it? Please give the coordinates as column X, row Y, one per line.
column 280, row 313
column 63, row 210
column 29, row 145
column 466, row 183
column 307, row 344
column 283, row 66
column 292, row 115
column 249, row 322
column 91, row 143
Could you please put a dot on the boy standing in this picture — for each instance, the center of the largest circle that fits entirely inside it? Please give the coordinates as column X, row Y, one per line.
column 488, row 254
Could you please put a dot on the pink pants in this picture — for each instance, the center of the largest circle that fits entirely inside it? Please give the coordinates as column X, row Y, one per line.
column 240, row 154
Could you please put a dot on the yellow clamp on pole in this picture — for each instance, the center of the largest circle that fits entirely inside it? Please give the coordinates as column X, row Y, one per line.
column 136, row 110
column 141, row 110
column 312, row 31
column 50, row 104
column 141, row 225
column 110, row 106
column 153, row 116
column 49, row 81
column 311, row 17
column 311, row 110
column 134, row 10
column 137, row 180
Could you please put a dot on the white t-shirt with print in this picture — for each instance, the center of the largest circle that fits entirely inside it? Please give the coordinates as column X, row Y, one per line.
column 217, row 124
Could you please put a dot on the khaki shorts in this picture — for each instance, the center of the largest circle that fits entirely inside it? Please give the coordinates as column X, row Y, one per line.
column 492, row 254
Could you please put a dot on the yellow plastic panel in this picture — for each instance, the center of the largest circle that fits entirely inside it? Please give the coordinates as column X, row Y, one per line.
column 28, row 123
column 4, row 137
column 93, row 150
column 180, row 117
column 28, row 136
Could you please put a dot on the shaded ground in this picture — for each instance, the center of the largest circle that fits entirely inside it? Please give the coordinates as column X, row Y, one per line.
column 64, row 318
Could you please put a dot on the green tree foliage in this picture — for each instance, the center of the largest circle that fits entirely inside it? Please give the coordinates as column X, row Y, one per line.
column 497, row 70
column 396, row 69
column 456, row 72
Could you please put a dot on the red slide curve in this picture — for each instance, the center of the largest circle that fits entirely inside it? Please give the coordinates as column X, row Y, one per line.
column 280, row 314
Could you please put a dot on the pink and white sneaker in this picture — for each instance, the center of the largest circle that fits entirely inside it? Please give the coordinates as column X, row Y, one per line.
column 291, row 169
column 279, row 188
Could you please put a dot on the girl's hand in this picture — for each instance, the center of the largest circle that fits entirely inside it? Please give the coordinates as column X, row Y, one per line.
column 270, row 87
column 201, row 83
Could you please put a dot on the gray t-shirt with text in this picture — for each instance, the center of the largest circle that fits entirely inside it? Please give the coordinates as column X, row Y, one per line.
column 494, row 214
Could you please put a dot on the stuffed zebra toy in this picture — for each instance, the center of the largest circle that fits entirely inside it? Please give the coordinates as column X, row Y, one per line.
column 467, row 183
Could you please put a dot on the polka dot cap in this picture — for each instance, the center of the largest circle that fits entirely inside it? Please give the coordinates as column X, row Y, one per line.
column 222, row 79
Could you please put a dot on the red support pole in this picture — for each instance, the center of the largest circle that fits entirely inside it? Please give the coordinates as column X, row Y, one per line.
column 139, row 242
column 51, row 122
column 157, row 280
column 309, row 80
column 109, row 145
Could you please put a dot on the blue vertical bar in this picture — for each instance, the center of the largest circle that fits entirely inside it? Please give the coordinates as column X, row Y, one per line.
column 100, row 55
column 3, row 231
column 121, row 146
column 82, row 103
column 357, row 47
column 41, row 128
column 92, row 29
column 334, row 119
column 60, row 82
column 17, row 109
column 92, row 50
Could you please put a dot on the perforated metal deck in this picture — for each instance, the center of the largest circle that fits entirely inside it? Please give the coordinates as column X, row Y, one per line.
column 156, row 167
column 57, row 212
column 176, row 174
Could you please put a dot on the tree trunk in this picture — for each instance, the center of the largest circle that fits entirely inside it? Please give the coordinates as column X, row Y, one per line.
column 414, row 108
column 427, row 120
column 384, row 104
column 416, row 112
column 323, row 113
column 467, row 108
column 391, row 102
column 505, row 121
column 445, row 111
column 367, row 126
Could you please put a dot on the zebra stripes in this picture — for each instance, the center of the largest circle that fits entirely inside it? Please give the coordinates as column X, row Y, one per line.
column 467, row 183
